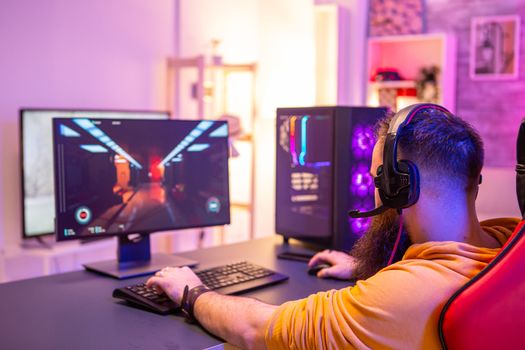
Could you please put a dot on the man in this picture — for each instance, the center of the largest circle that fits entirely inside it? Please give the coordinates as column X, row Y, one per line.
column 395, row 306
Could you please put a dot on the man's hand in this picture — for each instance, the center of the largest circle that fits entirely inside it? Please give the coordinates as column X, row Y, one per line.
column 343, row 265
column 172, row 280
column 240, row 321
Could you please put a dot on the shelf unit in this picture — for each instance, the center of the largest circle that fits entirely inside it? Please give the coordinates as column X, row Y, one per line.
column 408, row 54
column 207, row 88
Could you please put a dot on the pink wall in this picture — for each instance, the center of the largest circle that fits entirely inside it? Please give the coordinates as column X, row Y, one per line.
column 75, row 54
column 495, row 108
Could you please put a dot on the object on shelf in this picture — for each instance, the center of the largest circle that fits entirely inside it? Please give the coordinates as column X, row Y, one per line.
column 407, row 54
column 406, row 97
column 386, row 74
column 388, row 98
column 427, row 85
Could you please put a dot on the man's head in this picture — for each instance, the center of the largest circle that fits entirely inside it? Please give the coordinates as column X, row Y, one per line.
column 447, row 151
column 449, row 156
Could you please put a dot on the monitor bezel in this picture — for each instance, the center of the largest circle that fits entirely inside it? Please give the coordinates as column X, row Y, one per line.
column 61, row 237
column 21, row 112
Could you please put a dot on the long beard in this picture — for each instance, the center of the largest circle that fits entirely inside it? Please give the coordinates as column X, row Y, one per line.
column 373, row 250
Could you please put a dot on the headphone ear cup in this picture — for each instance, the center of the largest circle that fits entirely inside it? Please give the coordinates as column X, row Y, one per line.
column 411, row 192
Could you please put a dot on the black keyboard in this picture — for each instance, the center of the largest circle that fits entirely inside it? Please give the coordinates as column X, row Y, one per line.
column 227, row 279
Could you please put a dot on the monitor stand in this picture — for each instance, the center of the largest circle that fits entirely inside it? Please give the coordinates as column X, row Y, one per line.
column 135, row 259
column 302, row 252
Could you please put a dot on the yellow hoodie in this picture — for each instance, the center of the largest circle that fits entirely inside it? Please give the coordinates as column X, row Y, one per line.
column 397, row 308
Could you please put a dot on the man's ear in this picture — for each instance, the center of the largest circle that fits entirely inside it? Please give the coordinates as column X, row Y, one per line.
column 480, row 180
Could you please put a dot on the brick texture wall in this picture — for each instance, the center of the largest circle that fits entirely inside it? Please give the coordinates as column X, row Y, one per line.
column 494, row 108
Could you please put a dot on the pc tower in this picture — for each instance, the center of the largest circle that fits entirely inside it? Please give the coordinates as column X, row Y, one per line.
column 322, row 171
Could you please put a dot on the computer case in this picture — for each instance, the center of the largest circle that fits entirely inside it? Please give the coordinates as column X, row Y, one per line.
column 322, row 170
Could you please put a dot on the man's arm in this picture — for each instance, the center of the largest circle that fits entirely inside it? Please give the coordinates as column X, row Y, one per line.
column 240, row 321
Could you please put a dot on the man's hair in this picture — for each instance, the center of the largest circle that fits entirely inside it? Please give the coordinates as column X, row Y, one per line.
column 444, row 146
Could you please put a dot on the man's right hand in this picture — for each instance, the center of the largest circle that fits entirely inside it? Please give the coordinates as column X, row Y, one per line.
column 343, row 265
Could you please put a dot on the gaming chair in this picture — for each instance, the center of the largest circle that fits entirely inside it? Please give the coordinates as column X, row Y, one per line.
column 489, row 311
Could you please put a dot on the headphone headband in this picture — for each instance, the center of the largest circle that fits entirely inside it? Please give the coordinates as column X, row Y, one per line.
column 405, row 115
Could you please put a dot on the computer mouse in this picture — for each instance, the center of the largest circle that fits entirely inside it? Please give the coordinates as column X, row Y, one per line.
column 316, row 268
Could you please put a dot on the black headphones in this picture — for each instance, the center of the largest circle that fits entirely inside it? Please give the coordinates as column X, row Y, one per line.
column 397, row 180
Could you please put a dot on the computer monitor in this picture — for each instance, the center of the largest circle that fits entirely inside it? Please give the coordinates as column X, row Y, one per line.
column 123, row 177
column 322, row 171
column 36, row 162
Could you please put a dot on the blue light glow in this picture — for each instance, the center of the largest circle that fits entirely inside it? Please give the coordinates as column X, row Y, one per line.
column 96, row 132
column 84, row 123
column 221, row 131
column 196, row 132
column 94, row 148
column 88, row 125
column 204, row 125
column 68, row 132
column 302, row 155
column 198, row 147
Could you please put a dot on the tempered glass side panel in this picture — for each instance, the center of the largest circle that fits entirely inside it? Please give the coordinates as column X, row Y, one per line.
column 304, row 175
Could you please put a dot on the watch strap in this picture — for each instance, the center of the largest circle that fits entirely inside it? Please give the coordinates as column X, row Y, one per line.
column 189, row 297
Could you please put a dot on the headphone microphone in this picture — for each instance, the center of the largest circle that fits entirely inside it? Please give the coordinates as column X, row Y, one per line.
column 366, row 214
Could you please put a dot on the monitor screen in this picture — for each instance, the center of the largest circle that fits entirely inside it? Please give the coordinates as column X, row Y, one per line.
column 304, row 175
column 116, row 176
column 38, row 201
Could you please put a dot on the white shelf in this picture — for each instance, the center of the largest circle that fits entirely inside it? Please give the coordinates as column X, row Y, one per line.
column 395, row 84
column 408, row 54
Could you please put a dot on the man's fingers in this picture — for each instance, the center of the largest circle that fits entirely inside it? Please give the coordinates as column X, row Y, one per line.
column 338, row 272
column 327, row 272
column 318, row 258
column 332, row 271
column 158, row 282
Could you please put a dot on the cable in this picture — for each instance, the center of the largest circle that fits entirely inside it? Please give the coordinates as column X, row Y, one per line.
column 397, row 240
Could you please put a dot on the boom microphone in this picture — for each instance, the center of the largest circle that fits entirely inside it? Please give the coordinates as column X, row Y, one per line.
column 366, row 214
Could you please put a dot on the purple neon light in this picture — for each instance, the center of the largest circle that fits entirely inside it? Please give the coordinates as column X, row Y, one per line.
column 363, row 141
column 293, row 152
column 362, row 183
column 360, row 225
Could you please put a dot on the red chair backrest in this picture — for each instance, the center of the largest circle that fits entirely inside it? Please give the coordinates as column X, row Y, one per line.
column 489, row 311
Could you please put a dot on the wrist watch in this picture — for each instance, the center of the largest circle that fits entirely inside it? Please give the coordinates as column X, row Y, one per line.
column 189, row 297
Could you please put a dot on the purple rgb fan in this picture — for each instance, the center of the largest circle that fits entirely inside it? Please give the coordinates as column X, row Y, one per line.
column 363, row 141
column 362, row 183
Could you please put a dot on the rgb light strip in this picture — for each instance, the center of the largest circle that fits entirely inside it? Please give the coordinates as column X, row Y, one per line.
column 302, row 155
column 293, row 152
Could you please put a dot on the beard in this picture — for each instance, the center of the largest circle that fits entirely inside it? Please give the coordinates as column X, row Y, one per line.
column 372, row 251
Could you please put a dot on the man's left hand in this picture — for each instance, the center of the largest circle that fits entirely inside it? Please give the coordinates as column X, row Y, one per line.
column 172, row 280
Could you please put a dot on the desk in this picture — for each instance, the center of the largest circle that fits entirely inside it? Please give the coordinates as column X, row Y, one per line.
column 76, row 310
